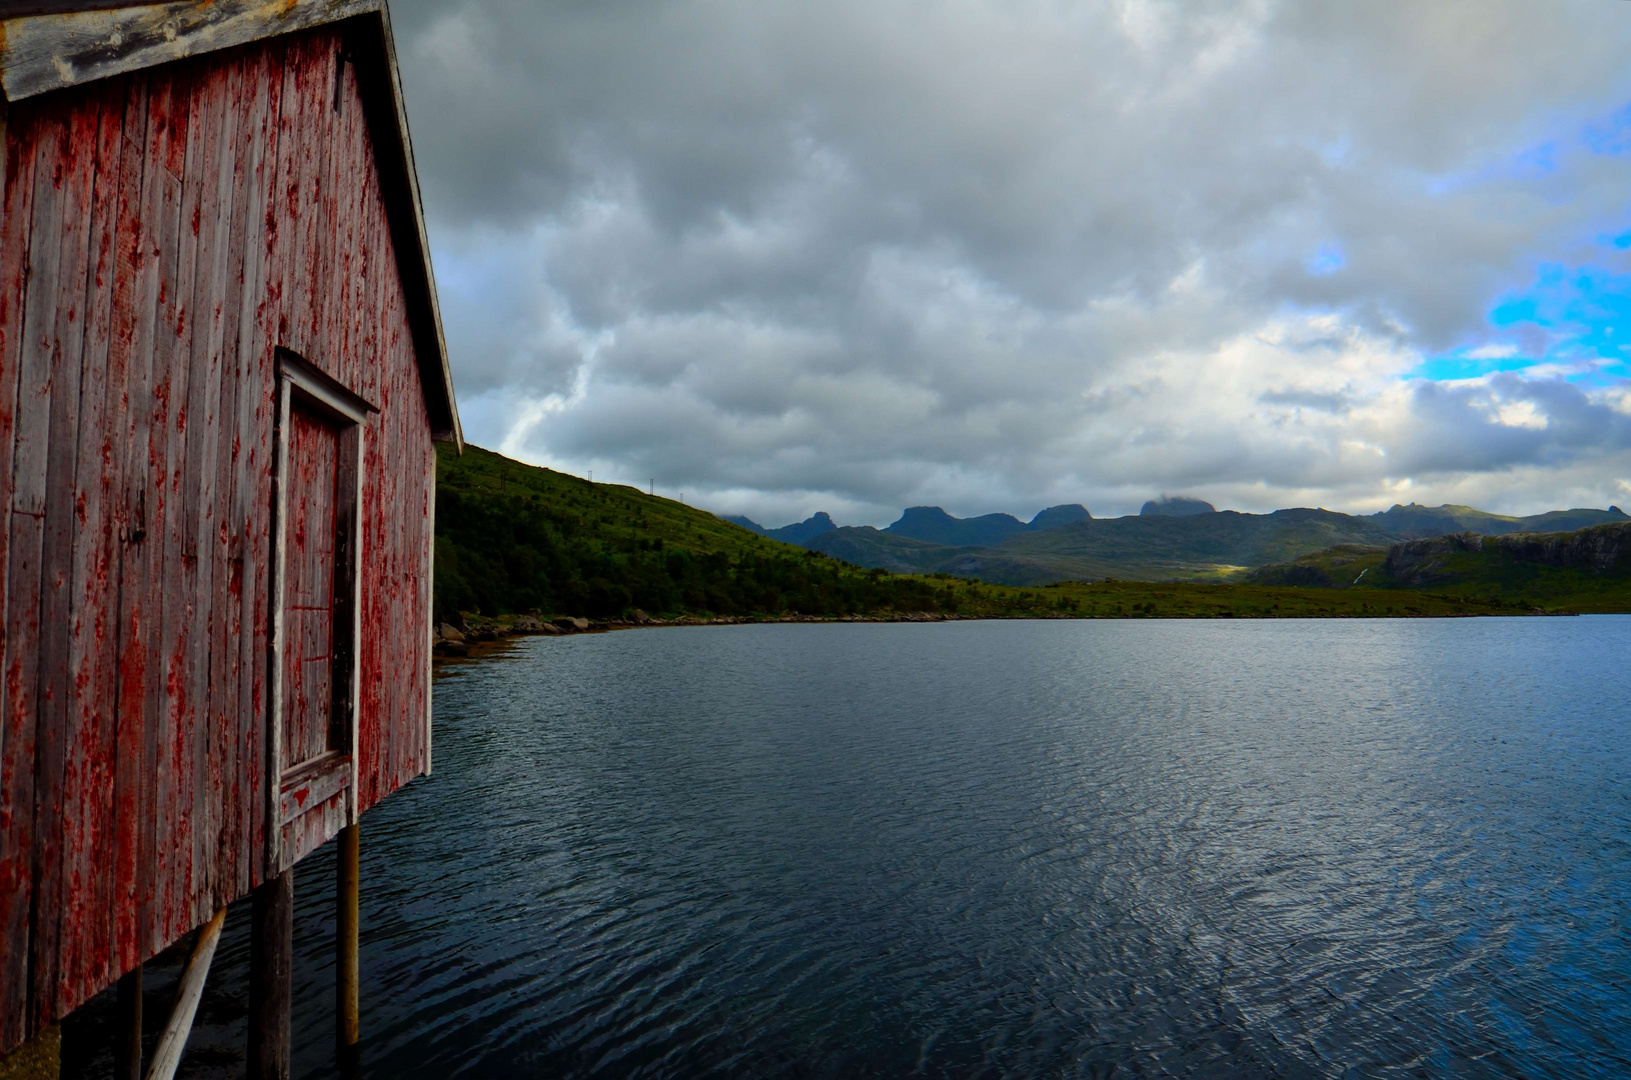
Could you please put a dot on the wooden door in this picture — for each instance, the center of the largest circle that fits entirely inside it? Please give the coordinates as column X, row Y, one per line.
column 313, row 730
column 312, row 547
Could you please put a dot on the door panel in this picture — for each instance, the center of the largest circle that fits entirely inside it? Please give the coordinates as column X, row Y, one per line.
column 309, row 599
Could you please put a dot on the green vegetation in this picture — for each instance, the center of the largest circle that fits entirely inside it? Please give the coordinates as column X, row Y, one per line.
column 1201, row 547
column 1210, row 546
column 1588, row 570
column 513, row 538
column 1180, row 600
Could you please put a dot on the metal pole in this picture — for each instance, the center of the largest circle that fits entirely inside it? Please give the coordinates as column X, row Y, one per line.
column 345, row 962
column 271, row 976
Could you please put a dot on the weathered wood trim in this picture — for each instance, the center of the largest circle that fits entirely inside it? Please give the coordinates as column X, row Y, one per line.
column 354, row 709
column 312, row 783
column 430, row 606
column 399, row 187
column 307, row 786
column 274, row 695
column 332, row 395
column 39, row 53
column 188, row 994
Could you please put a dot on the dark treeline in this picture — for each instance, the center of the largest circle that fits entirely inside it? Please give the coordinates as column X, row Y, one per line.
column 513, row 553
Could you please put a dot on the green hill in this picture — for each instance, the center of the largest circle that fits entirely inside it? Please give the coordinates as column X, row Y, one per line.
column 1586, row 570
column 514, row 538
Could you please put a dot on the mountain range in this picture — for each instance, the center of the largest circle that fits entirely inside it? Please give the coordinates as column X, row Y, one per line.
column 1171, row 539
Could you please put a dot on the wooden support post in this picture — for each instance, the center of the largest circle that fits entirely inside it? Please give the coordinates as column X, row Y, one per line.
column 127, row 1046
column 173, row 1041
column 271, row 976
column 345, row 960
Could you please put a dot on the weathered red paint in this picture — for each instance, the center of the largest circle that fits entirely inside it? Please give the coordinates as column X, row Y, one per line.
column 164, row 232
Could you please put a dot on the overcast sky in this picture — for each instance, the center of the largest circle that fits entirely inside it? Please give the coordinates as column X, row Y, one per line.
column 854, row 255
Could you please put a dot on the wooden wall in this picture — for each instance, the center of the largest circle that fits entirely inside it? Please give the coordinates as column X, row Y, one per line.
column 163, row 233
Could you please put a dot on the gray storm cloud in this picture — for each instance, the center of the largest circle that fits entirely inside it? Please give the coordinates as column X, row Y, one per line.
column 855, row 256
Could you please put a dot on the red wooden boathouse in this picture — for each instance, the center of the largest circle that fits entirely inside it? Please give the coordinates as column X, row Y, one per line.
column 221, row 374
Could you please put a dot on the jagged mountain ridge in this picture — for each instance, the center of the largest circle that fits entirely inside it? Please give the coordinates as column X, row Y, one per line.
column 1180, row 540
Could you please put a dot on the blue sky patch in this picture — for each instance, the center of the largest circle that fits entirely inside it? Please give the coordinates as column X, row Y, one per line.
column 1583, row 314
column 1327, row 260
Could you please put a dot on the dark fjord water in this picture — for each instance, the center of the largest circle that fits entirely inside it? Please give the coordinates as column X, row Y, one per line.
column 1357, row 848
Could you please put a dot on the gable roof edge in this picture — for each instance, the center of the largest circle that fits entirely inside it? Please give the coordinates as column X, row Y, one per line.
column 67, row 43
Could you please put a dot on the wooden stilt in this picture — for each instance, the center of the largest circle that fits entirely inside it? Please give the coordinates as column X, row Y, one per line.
column 271, row 970
column 127, row 1047
column 173, row 1042
column 345, row 961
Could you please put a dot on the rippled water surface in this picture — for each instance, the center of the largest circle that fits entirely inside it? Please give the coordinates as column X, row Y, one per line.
column 1356, row 848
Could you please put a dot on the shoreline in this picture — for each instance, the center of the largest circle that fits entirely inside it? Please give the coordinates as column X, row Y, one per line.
column 480, row 632
column 480, row 637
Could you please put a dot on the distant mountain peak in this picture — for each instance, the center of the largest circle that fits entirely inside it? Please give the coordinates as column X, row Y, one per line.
column 1176, row 506
column 745, row 522
column 808, row 529
column 934, row 525
column 1063, row 514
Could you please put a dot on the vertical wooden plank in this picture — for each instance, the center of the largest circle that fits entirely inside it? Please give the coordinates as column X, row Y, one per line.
column 172, row 375
column 191, row 449
column 253, row 493
column 87, row 885
column 352, row 594
column 33, row 746
column 142, row 704
column 326, row 284
column 221, row 245
column 372, row 643
column 242, row 218
column 128, row 369
column 352, row 189
column 392, row 734
column 277, row 859
column 161, row 191
column 292, row 271
column 56, row 847
column 16, row 757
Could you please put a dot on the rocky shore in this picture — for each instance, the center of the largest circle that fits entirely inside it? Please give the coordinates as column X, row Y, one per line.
column 471, row 632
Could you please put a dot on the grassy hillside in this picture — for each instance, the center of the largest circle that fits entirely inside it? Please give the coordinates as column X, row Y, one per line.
column 1586, row 570
column 512, row 538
